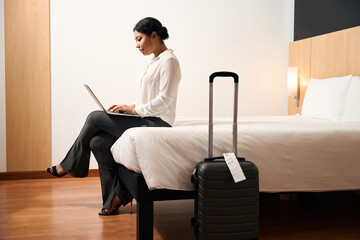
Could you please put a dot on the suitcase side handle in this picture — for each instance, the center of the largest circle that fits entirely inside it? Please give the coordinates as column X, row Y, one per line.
column 222, row 158
column 224, row 74
column 236, row 83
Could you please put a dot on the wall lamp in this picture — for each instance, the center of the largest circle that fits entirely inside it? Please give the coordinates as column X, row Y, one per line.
column 293, row 84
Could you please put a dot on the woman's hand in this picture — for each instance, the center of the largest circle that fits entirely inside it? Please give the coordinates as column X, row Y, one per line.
column 123, row 109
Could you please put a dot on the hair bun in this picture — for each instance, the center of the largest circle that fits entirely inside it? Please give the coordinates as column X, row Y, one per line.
column 164, row 33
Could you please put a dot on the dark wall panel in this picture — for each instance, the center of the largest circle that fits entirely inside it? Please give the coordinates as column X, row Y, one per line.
column 316, row 17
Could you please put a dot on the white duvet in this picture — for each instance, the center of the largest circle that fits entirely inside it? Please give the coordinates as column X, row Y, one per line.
column 292, row 153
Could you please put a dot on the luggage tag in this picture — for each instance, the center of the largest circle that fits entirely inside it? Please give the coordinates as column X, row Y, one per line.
column 234, row 167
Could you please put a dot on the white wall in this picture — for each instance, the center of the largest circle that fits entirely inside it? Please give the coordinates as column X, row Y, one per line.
column 2, row 92
column 92, row 42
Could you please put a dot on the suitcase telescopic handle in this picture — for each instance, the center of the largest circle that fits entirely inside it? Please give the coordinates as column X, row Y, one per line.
column 224, row 74
column 236, row 82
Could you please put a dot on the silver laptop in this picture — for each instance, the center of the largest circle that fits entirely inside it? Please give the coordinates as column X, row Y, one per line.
column 102, row 107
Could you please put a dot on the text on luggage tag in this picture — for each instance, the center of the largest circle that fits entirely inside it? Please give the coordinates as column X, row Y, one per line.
column 234, row 167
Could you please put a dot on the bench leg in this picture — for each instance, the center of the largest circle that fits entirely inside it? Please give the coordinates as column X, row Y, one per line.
column 145, row 220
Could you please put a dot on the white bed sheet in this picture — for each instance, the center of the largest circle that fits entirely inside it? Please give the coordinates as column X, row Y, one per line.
column 292, row 153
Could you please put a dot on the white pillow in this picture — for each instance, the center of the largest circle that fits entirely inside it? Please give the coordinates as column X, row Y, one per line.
column 352, row 105
column 325, row 98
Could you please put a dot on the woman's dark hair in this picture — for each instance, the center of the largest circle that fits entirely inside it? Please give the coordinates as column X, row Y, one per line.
column 149, row 25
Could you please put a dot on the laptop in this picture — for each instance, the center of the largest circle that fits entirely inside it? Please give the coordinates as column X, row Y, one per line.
column 102, row 107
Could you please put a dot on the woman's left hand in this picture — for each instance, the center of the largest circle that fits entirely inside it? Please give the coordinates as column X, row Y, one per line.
column 129, row 109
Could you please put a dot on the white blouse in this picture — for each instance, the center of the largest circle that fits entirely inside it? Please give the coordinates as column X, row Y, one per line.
column 159, row 87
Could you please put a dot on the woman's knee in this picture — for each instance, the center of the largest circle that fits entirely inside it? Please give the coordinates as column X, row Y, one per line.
column 95, row 115
column 98, row 142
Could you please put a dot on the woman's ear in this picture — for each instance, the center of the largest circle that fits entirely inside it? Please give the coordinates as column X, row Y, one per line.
column 154, row 35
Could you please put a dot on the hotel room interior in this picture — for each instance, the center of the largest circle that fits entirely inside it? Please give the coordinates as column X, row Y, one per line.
column 299, row 120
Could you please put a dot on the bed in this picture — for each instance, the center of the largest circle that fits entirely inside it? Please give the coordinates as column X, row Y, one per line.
column 292, row 153
column 316, row 150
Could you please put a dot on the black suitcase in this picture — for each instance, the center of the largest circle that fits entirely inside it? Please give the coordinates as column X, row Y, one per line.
column 224, row 209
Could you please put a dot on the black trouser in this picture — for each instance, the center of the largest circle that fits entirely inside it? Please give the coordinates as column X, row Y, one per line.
column 98, row 134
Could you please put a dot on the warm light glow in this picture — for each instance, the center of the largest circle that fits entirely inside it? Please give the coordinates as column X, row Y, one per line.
column 292, row 81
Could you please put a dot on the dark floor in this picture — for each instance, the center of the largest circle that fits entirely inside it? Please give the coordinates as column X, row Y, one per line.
column 329, row 215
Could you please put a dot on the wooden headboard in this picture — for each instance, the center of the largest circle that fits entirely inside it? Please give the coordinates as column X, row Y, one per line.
column 330, row 55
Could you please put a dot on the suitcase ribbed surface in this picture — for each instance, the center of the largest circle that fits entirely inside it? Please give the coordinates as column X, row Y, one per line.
column 224, row 209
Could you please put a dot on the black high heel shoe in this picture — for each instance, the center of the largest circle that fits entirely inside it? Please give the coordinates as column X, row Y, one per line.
column 54, row 172
column 103, row 211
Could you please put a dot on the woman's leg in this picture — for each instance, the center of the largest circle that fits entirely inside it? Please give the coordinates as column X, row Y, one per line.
column 100, row 145
column 97, row 126
column 76, row 162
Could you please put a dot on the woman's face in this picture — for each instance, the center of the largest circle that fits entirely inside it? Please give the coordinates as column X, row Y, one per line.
column 145, row 43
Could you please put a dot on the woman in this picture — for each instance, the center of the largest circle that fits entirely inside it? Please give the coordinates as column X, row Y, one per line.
column 156, row 105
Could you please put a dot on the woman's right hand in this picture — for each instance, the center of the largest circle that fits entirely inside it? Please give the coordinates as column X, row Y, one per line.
column 123, row 109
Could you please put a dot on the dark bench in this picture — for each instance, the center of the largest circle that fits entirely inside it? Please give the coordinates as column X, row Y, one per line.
column 145, row 198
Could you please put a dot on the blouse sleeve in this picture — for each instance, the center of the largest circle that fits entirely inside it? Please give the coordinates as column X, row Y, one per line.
column 169, row 82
